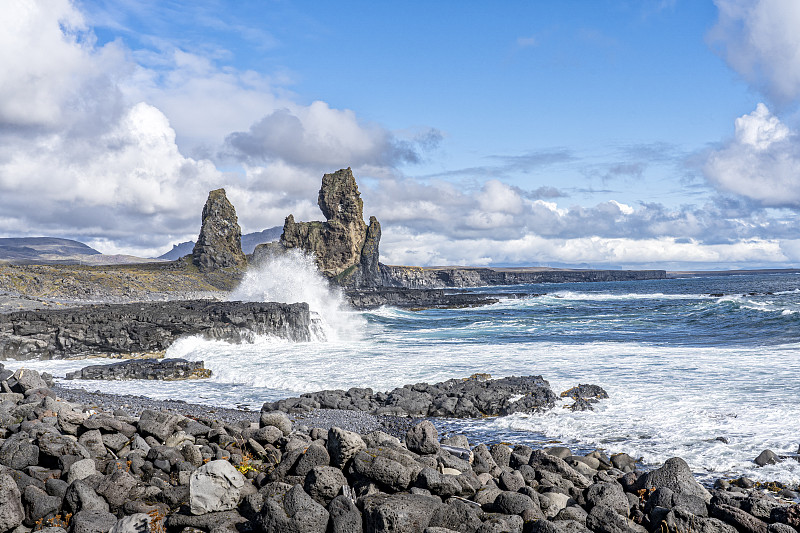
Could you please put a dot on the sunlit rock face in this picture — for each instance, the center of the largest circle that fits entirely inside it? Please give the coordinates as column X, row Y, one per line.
column 344, row 247
column 220, row 242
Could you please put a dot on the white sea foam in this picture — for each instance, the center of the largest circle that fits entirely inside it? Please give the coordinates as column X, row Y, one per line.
column 293, row 277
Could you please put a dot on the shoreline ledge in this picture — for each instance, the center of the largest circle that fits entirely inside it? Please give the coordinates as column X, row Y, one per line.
column 144, row 327
column 84, row 467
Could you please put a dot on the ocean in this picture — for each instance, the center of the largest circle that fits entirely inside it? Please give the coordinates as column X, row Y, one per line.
column 704, row 368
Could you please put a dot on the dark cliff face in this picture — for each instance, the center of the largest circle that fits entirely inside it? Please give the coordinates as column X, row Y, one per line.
column 144, row 327
column 345, row 249
column 220, row 242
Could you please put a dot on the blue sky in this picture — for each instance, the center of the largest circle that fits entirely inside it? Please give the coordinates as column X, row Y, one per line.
column 629, row 134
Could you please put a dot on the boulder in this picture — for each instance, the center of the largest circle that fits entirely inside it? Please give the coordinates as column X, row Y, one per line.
column 398, row 513
column 676, row 475
column 215, row 486
column 344, row 248
column 344, row 516
column 219, row 244
column 11, row 511
column 423, row 438
column 324, row 483
column 92, row 522
column 292, row 511
column 343, row 445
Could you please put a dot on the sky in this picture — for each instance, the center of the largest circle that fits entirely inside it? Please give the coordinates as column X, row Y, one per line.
column 589, row 133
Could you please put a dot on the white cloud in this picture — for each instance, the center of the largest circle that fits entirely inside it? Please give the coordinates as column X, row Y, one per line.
column 761, row 162
column 760, row 40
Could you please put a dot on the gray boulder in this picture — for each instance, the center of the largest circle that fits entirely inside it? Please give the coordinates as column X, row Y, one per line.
column 158, row 424
column 676, row 475
column 767, row 457
column 398, row 513
column 513, row 503
column 135, row 523
column 343, row 445
column 292, row 511
column 344, row 516
column 383, row 470
column 215, row 486
column 80, row 496
column 18, row 452
column 423, row 438
column 92, row 522
column 324, row 483
column 609, row 494
column 604, row 519
column 276, row 419
column 11, row 511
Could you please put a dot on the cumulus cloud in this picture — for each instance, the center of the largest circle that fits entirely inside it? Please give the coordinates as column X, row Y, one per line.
column 761, row 162
column 759, row 39
column 94, row 139
column 319, row 136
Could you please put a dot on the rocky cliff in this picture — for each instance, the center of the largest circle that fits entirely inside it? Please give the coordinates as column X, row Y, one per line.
column 220, row 242
column 344, row 247
column 143, row 327
column 438, row 277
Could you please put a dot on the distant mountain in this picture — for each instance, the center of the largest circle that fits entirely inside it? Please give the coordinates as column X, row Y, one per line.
column 249, row 243
column 44, row 250
column 251, row 240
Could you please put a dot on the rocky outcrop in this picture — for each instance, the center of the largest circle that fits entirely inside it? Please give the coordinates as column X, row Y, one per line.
column 474, row 397
column 444, row 277
column 420, row 298
column 144, row 327
column 345, row 249
column 220, row 242
column 160, row 369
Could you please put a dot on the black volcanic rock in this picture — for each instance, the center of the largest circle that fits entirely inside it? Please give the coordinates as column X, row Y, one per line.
column 474, row 397
column 345, row 249
column 219, row 244
column 143, row 327
column 161, row 369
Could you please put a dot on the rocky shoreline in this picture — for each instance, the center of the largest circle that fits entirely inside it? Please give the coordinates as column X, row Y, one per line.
column 144, row 327
column 85, row 463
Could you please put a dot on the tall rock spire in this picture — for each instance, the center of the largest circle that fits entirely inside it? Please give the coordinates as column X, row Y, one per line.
column 220, row 242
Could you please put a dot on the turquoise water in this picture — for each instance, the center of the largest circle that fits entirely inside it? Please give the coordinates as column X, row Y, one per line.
column 685, row 361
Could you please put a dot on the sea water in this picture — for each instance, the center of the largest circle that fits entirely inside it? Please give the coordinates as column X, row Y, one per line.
column 705, row 368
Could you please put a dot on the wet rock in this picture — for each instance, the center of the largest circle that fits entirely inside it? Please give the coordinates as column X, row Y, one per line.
column 147, row 327
column 738, row 518
column 219, row 244
column 767, row 457
column 161, row 369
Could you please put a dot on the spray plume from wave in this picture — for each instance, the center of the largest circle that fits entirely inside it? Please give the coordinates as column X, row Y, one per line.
column 292, row 277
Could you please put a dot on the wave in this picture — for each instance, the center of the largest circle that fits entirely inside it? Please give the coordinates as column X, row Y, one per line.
column 292, row 277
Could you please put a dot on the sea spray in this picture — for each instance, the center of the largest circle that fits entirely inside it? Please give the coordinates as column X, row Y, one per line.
column 292, row 277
